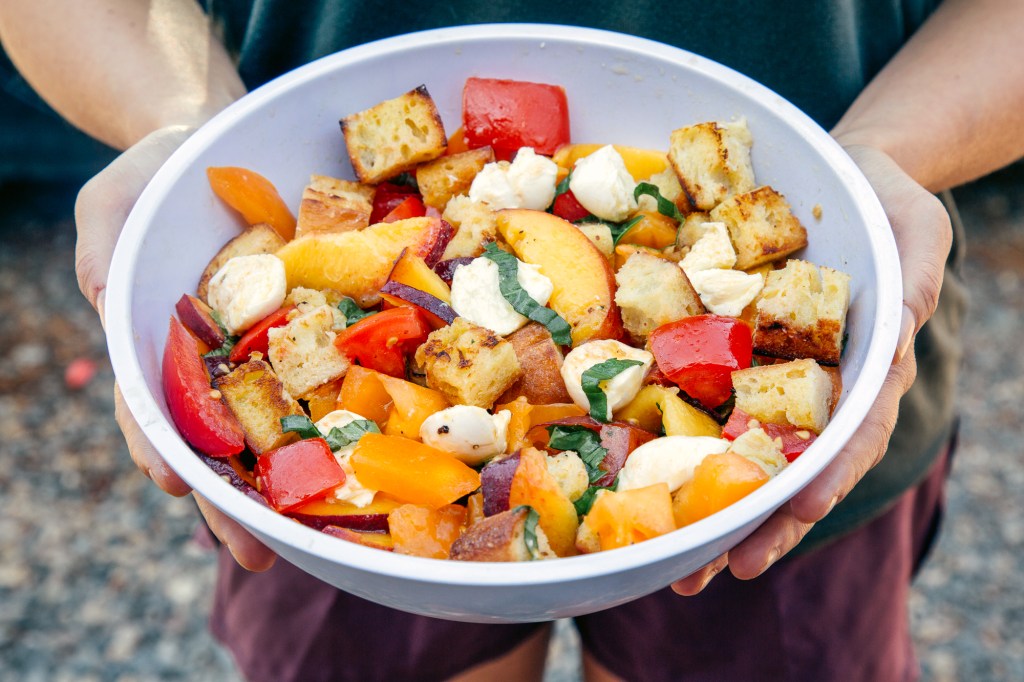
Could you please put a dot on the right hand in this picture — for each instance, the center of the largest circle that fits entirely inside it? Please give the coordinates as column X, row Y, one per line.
column 101, row 210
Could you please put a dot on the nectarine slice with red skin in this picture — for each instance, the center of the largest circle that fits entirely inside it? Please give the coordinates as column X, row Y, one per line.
column 584, row 284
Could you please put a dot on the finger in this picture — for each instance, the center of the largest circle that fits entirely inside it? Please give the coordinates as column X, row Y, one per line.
column 694, row 583
column 923, row 233
column 250, row 553
column 142, row 451
column 863, row 451
column 104, row 202
column 771, row 541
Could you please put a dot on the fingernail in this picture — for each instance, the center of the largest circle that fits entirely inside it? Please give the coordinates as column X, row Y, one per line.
column 832, row 505
column 707, row 579
column 907, row 327
column 773, row 556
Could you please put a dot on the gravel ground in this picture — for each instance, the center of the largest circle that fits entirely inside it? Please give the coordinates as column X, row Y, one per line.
column 100, row 580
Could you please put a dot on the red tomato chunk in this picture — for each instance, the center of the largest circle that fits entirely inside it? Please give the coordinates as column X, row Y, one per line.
column 381, row 341
column 196, row 409
column 297, row 473
column 508, row 115
column 701, row 352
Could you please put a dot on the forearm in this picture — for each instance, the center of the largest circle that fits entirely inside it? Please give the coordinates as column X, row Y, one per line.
column 950, row 106
column 120, row 69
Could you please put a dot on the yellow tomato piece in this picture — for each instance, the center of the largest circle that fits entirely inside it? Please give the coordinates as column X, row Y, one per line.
column 533, row 485
column 625, row 518
column 641, row 163
column 718, row 481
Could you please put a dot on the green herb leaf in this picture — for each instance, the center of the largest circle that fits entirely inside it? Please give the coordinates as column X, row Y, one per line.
column 300, row 424
column 665, row 207
column 406, row 180
column 725, row 409
column 586, row 500
column 350, row 433
column 352, row 312
column 229, row 341
column 584, row 442
column 592, row 378
column 530, row 530
column 563, row 187
column 619, row 230
column 521, row 301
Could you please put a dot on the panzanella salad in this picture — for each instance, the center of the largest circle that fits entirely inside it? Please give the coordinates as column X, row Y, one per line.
column 500, row 345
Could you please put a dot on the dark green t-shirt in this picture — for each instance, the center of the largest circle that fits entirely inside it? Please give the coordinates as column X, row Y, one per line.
column 817, row 54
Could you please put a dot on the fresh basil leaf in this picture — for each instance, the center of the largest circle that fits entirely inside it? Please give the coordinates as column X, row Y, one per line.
column 300, row 424
column 229, row 340
column 584, row 442
column 530, row 531
column 563, row 187
column 725, row 409
column 521, row 301
column 352, row 312
column 405, row 180
column 665, row 207
column 586, row 500
column 350, row 433
column 592, row 378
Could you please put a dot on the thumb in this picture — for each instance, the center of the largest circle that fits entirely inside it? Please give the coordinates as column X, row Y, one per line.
column 106, row 200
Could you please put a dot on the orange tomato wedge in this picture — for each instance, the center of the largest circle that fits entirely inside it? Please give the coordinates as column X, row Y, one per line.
column 253, row 196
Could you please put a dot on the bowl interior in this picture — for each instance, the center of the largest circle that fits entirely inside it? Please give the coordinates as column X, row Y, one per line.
column 620, row 89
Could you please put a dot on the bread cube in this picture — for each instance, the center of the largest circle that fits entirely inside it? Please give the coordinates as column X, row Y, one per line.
column 761, row 449
column 333, row 205
column 600, row 235
column 474, row 225
column 470, row 365
column 796, row 393
column 668, row 185
column 802, row 313
column 394, row 136
column 652, row 291
column 258, row 399
column 257, row 240
column 501, row 537
column 691, row 229
column 450, row 176
column 303, row 352
column 712, row 161
column 761, row 225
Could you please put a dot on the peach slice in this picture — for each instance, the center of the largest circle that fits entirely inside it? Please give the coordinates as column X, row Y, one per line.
column 532, row 485
column 356, row 263
column 584, row 284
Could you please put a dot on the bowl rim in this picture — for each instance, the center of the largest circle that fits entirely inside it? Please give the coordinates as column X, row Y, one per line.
column 267, row 522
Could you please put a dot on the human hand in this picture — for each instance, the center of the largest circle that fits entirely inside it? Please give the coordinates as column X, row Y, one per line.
column 101, row 210
column 923, row 234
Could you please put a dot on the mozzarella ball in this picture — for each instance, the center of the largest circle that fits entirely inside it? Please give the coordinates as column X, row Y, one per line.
column 603, row 186
column 476, row 294
column 670, row 460
column 470, row 433
column 620, row 389
column 528, row 182
column 351, row 491
column 247, row 289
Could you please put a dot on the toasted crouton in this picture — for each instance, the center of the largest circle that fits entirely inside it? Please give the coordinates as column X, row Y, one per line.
column 394, row 136
column 796, row 393
column 305, row 300
column 761, row 449
column 303, row 352
column 690, row 230
column 712, row 161
column 333, row 205
column 256, row 240
column 802, row 313
column 450, row 176
column 651, row 292
column 761, row 225
column 474, row 225
column 600, row 235
column 541, row 360
column 258, row 399
column 470, row 365
column 501, row 537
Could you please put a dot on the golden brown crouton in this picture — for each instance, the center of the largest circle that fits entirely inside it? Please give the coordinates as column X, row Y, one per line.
column 761, row 226
column 470, row 365
column 256, row 240
column 501, row 537
column 475, row 225
column 668, row 186
column 541, row 362
column 712, row 161
column 450, row 176
column 651, row 292
column 601, row 236
column 303, row 352
column 690, row 230
column 258, row 399
column 796, row 393
column 333, row 205
column 394, row 136
column 802, row 313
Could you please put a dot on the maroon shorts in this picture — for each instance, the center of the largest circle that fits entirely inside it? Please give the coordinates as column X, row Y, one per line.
column 838, row 613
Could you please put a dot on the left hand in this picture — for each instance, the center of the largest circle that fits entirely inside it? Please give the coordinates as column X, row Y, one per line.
column 923, row 234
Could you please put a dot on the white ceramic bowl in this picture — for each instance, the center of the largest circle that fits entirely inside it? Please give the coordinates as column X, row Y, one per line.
column 621, row 89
